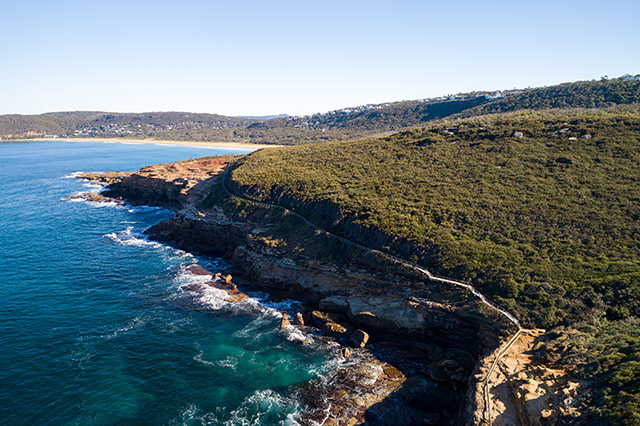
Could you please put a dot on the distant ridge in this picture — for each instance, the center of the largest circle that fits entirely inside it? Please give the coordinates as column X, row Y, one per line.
column 342, row 124
column 263, row 117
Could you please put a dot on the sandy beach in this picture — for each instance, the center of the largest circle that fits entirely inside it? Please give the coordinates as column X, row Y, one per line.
column 162, row 142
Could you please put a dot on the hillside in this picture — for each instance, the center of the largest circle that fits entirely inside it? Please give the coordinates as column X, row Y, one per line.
column 540, row 210
column 161, row 125
column 347, row 123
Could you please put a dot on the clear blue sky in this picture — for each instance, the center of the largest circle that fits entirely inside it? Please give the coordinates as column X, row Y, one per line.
column 268, row 57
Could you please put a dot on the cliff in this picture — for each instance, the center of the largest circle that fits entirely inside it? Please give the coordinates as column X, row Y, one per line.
column 346, row 289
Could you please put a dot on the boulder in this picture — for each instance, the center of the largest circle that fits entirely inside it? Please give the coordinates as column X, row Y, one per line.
column 387, row 312
column 367, row 320
column 346, row 353
column 227, row 279
column 333, row 329
column 359, row 338
column 299, row 319
column 335, row 304
column 518, row 134
column 284, row 322
column 319, row 318
column 197, row 270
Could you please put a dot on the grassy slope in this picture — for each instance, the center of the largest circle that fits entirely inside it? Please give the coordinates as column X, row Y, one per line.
column 542, row 221
column 546, row 225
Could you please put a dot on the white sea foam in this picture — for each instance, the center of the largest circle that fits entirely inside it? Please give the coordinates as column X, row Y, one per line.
column 176, row 325
column 104, row 204
column 95, row 186
column 214, row 298
column 192, row 414
column 294, row 334
column 199, row 358
column 288, row 305
column 143, row 209
column 229, row 362
column 135, row 324
column 73, row 200
column 72, row 175
column 79, row 197
column 130, row 238
column 186, row 277
column 195, row 284
column 264, row 406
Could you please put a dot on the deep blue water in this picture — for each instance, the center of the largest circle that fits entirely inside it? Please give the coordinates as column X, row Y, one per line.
column 94, row 327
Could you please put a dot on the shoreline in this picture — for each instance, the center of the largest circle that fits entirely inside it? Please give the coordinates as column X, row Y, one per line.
column 384, row 374
column 232, row 145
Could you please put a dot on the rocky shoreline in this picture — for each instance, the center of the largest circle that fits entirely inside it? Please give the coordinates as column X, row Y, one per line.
column 418, row 355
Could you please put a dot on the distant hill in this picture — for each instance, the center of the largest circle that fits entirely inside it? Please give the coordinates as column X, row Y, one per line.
column 263, row 117
column 347, row 123
column 161, row 125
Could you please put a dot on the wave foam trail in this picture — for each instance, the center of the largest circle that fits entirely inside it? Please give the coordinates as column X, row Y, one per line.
column 135, row 324
column 129, row 238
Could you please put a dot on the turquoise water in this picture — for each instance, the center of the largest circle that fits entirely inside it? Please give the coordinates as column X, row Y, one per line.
column 95, row 328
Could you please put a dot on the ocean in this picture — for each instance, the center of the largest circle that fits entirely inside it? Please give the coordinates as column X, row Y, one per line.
column 96, row 327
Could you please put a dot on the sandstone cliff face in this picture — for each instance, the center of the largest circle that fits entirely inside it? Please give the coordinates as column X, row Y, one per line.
column 328, row 216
